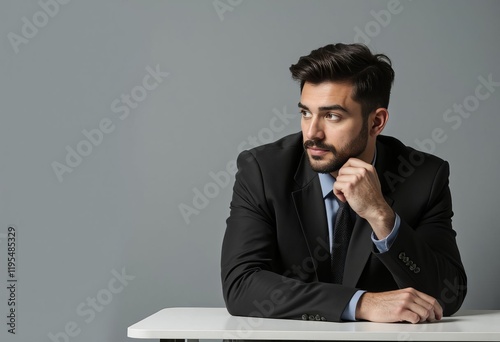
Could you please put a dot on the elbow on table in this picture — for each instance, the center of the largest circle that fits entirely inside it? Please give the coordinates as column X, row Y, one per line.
column 453, row 295
column 234, row 304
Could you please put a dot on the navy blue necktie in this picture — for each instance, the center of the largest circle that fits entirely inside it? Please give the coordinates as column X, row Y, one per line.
column 342, row 231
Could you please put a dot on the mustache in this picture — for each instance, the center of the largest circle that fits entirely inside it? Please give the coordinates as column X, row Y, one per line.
column 318, row 144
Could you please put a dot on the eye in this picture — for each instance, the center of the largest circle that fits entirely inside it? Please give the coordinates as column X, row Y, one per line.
column 332, row 117
column 305, row 113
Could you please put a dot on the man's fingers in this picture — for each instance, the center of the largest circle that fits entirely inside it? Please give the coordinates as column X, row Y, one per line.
column 418, row 311
column 430, row 305
column 432, row 316
column 362, row 170
column 410, row 316
column 339, row 194
column 356, row 163
column 339, row 188
column 416, row 307
column 422, row 311
column 422, row 295
column 350, row 170
column 436, row 307
column 346, row 179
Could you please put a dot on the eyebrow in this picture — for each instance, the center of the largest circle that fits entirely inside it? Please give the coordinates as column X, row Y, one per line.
column 324, row 108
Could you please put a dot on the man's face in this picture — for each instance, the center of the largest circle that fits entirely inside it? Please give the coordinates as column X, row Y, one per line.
column 332, row 124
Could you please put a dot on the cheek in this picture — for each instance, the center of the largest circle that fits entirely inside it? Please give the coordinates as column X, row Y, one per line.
column 336, row 136
column 341, row 134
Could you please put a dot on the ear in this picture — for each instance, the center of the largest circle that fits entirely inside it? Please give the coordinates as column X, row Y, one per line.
column 377, row 121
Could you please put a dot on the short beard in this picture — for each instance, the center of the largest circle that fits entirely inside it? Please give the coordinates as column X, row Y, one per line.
column 352, row 150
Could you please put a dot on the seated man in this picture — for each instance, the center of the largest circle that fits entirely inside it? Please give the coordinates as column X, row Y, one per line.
column 338, row 222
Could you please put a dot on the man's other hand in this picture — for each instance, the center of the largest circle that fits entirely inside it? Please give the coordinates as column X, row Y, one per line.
column 405, row 305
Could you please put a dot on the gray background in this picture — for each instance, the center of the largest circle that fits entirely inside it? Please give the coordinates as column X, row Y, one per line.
column 228, row 76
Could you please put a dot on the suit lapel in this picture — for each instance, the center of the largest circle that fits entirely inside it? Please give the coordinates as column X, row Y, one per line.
column 358, row 252
column 310, row 207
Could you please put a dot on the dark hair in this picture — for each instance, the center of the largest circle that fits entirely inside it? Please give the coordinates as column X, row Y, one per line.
column 371, row 75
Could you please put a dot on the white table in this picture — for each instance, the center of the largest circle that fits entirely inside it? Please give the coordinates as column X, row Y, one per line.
column 217, row 323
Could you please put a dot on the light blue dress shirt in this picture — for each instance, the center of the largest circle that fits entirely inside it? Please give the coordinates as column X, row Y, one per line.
column 332, row 206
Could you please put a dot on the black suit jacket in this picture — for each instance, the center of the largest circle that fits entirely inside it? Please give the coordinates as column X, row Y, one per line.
column 275, row 256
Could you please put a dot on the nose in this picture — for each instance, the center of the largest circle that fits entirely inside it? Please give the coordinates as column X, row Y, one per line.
column 313, row 129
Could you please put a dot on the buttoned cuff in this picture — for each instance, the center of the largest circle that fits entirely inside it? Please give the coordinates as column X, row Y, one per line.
column 385, row 244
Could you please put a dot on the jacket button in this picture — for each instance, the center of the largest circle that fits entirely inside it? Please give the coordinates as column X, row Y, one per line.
column 304, row 317
column 417, row 270
column 402, row 255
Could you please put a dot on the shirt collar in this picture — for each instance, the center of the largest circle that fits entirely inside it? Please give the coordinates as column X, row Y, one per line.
column 326, row 180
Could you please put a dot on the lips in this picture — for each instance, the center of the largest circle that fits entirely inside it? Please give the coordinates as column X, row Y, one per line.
column 317, row 151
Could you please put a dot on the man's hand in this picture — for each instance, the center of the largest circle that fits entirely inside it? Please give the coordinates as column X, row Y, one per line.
column 407, row 305
column 357, row 183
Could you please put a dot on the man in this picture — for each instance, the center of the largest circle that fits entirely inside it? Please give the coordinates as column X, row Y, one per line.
column 339, row 222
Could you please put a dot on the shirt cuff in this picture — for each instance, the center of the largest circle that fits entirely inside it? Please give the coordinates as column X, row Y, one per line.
column 349, row 313
column 386, row 243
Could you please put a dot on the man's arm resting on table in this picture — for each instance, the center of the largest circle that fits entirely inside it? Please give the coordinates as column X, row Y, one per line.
column 401, row 305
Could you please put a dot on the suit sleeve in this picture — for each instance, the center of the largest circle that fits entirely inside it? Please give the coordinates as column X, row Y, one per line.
column 252, row 281
column 426, row 256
